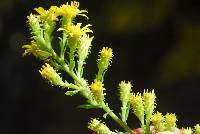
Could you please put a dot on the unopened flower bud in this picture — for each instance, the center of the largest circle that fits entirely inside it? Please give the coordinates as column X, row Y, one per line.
column 158, row 122
column 149, row 102
column 97, row 91
column 51, row 75
column 98, row 127
column 138, row 106
column 104, row 61
column 187, row 130
column 197, row 129
column 125, row 89
column 170, row 120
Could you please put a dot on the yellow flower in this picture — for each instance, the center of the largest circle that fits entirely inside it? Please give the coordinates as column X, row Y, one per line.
column 187, row 130
column 99, row 127
column 71, row 11
column 93, row 124
column 170, row 120
column 157, row 118
column 51, row 75
column 35, row 49
column 197, row 129
column 149, row 101
column 106, row 53
column 158, row 122
column 125, row 89
column 149, row 97
column 49, row 15
column 76, row 31
column 138, row 106
column 97, row 91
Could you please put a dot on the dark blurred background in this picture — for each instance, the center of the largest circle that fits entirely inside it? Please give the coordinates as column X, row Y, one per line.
column 156, row 45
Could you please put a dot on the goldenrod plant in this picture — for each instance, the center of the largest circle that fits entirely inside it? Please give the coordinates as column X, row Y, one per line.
column 75, row 42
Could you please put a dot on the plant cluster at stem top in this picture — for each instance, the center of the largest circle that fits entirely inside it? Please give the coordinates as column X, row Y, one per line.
column 75, row 42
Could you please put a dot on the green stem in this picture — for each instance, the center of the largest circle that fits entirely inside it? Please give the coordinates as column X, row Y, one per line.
column 80, row 68
column 63, row 45
column 116, row 119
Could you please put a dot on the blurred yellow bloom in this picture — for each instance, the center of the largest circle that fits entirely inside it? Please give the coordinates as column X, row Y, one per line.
column 71, row 11
column 49, row 15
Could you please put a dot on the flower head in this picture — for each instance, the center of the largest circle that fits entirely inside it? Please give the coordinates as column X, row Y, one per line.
column 36, row 50
column 76, row 31
column 125, row 89
column 106, row 53
column 51, row 75
column 105, row 58
column 149, row 102
column 48, row 15
column 97, row 91
column 170, row 120
column 157, row 118
column 138, row 106
column 158, row 121
column 187, row 130
column 98, row 127
column 71, row 11
column 197, row 129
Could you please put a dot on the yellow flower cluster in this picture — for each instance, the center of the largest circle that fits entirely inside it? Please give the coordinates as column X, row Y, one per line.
column 71, row 11
column 187, row 130
column 104, row 61
column 149, row 97
column 98, row 127
column 158, row 122
column 164, row 123
column 136, row 99
column 138, row 106
column 66, row 10
column 97, row 91
column 157, row 118
column 106, row 53
column 50, row 14
column 197, row 129
column 170, row 118
column 51, row 75
column 125, row 89
column 76, row 31
column 35, row 49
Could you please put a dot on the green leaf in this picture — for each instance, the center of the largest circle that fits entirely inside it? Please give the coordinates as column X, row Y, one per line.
column 71, row 93
column 88, row 106
column 127, row 111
